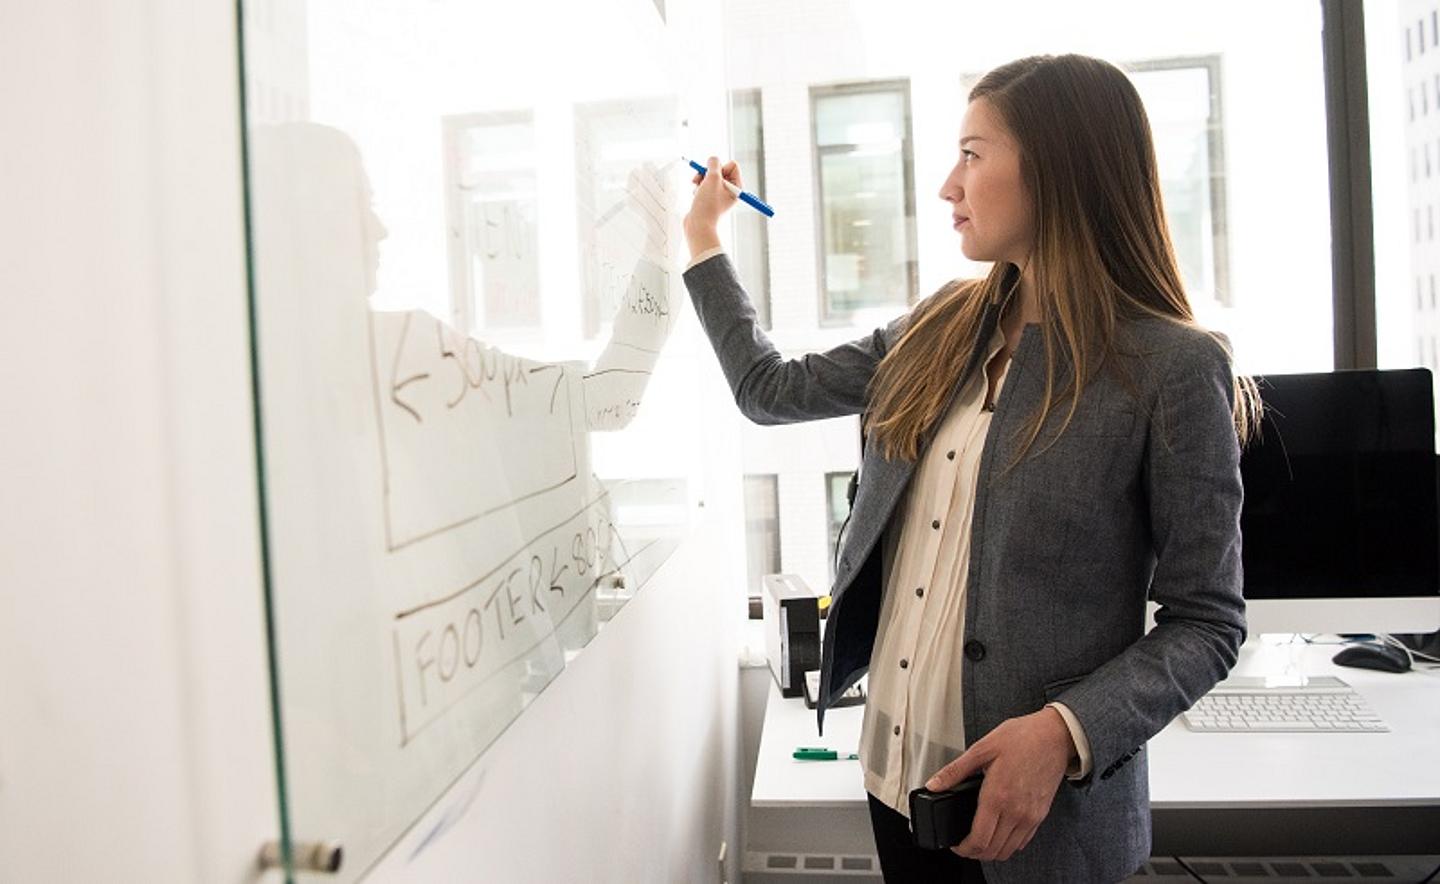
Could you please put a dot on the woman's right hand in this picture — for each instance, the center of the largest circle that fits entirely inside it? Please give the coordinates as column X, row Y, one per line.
column 712, row 199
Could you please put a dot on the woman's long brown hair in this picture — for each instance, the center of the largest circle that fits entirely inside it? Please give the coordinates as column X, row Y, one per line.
column 1102, row 251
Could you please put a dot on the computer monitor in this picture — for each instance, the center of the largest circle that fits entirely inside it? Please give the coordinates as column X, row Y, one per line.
column 1339, row 522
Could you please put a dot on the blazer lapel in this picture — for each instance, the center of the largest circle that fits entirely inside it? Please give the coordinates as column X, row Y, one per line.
column 883, row 481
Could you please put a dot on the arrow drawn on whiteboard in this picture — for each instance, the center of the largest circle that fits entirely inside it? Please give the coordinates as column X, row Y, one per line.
column 558, row 378
column 397, row 385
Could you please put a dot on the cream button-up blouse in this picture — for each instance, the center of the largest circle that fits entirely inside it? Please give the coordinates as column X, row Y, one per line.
column 914, row 723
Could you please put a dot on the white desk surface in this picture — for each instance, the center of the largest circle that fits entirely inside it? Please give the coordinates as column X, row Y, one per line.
column 1187, row 770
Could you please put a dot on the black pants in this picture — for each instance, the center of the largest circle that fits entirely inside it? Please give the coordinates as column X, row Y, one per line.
column 902, row 862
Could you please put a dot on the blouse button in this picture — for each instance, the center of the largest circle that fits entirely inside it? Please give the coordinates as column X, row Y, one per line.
column 920, row 592
column 935, row 523
column 950, row 455
column 904, row 664
column 897, row 730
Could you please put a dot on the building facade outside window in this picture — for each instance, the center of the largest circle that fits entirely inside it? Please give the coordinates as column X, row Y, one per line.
column 1397, row 34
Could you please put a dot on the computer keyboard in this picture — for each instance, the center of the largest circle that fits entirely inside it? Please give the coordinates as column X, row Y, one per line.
column 1323, row 705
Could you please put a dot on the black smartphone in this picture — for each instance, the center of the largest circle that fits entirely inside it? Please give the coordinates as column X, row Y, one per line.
column 943, row 819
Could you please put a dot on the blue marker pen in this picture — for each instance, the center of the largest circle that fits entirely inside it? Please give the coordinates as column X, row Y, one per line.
column 746, row 197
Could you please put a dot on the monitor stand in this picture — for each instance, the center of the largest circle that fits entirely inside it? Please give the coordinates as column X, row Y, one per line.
column 1277, row 660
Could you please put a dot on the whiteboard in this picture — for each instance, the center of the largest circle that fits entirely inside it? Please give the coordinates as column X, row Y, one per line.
column 476, row 443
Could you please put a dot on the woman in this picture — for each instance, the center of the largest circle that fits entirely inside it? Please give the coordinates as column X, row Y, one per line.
column 1047, row 447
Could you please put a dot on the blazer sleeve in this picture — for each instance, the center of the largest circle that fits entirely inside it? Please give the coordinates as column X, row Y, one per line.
column 1192, row 481
column 768, row 388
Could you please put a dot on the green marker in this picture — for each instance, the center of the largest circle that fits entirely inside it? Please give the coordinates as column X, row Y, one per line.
column 815, row 753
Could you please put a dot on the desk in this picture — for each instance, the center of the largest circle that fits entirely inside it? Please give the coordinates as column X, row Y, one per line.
column 1211, row 794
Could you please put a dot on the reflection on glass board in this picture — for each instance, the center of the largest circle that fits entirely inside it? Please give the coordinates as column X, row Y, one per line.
column 492, row 205
column 441, row 541
column 476, row 446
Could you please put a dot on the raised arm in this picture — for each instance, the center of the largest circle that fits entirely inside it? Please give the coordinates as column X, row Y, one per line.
column 768, row 388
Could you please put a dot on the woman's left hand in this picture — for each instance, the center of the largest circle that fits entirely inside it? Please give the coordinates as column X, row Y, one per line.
column 1024, row 760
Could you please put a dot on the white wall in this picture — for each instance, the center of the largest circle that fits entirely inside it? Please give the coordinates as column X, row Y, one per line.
column 134, row 718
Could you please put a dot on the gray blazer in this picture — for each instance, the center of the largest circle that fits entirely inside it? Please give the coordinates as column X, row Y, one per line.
column 1139, row 498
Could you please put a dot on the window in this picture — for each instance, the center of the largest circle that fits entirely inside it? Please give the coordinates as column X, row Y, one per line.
column 752, row 230
column 1182, row 100
column 864, row 171
column 762, row 529
column 491, row 202
column 1220, row 190
column 837, row 508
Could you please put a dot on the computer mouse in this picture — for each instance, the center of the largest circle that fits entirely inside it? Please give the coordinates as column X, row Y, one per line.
column 1385, row 658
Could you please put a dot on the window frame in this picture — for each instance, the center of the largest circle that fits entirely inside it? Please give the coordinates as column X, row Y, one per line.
column 756, row 183
column 771, row 481
column 828, row 317
column 1352, row 213
column 1215, row 148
